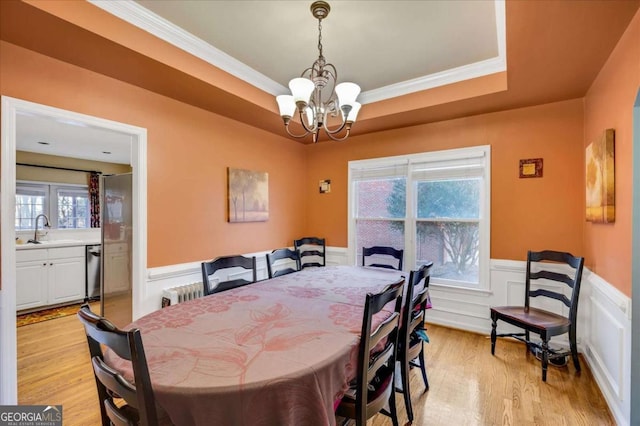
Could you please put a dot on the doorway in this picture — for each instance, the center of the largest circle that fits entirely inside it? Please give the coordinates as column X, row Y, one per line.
column 11, row 108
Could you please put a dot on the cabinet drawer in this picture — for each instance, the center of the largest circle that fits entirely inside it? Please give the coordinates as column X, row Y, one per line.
column 64, row 252
column 31, row 255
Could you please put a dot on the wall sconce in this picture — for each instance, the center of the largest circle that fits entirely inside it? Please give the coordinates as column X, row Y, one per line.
column 325, row 186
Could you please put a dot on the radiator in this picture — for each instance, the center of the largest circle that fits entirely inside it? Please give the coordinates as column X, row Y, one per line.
column 175, row 295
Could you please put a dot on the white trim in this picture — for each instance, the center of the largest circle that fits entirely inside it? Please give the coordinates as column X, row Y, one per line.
column 501, row 31
column 10, row 108
column 148, row 21
column 152, row 23
column 476, row 291
column 600, row 314
column 507, row 265
column 454, row 75
column 173, row 271
column 608, row 343
column 613, row 294
column 8, row 343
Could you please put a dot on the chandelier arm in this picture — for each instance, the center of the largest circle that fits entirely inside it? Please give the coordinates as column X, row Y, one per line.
column 310, row 70
column 287, row 120
column 329, row 131
column 333, row 74
column 294, row 135
column 308, row 129
column 346, row 135
column 332, row 108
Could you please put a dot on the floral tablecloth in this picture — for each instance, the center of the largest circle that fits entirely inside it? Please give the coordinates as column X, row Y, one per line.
column 277, row 352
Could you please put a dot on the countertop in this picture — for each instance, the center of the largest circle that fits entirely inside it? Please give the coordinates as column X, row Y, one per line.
column 56, row 243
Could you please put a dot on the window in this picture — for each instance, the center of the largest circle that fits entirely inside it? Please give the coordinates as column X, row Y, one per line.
column 66, row 206
column 434, row 205
column 31, row 200
column 73, row 207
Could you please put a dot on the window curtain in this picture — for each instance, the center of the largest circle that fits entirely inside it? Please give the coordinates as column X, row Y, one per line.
column 94, row 197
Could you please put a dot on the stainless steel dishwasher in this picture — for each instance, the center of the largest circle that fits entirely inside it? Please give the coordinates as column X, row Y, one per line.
column 92, row 286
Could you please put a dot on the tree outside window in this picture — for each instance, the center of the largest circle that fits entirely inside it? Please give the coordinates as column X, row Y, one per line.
column 447, row 231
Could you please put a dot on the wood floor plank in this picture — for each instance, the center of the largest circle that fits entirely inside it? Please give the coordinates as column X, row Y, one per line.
column 468, row 386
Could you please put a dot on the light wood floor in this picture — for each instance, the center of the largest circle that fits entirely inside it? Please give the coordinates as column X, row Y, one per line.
column 468, row 385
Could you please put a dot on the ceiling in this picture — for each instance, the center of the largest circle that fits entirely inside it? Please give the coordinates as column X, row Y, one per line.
column 409, row 57
column 375, row 44
column 75, row 139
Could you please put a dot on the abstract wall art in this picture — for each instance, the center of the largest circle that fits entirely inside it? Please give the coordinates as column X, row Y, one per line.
column 600, row 179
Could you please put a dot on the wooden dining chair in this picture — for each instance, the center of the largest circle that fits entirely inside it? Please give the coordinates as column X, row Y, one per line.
column 382, row 253
column 122, row 402
column 546, row 324
column 277, row 258
column 312, row 251
column 227, row 262
column 410, row 343
column 373, row 387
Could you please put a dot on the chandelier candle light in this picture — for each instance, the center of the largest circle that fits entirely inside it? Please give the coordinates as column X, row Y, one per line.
column 307, row 94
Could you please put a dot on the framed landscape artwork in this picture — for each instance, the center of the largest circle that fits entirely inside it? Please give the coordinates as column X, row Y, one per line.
column 248, row 195
column 600, row 185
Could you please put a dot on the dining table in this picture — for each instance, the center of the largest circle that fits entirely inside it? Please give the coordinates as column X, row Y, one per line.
column 276, row 352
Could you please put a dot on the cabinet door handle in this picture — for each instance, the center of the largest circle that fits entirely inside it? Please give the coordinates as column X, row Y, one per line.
column 44, row 264
column 51, row 264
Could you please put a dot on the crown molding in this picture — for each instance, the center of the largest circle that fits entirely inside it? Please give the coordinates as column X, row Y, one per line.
column 148, row 21
column 465, row 72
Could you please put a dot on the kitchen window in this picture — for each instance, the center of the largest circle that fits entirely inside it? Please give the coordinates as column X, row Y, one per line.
column 67, row 206
column 433, row 205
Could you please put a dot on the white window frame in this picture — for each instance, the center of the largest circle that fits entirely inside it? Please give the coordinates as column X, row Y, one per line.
column 454, row 163
column 51, row 199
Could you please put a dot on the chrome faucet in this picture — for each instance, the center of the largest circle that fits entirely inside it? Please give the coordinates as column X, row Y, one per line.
column 45, row 224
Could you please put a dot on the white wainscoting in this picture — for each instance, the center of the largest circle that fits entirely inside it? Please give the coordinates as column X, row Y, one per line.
column 604, row 315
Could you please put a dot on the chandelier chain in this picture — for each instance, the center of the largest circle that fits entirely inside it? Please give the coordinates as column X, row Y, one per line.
column 320, row 36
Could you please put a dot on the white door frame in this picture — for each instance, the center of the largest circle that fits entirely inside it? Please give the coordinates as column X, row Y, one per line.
column 635, row 267
column 10, row 108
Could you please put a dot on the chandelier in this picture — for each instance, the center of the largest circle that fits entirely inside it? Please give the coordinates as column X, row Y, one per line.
column 316, row 97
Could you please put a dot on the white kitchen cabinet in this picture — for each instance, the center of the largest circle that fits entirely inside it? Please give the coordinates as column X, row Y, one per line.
column 66, row 274
column 31, row 276
column 49, row 276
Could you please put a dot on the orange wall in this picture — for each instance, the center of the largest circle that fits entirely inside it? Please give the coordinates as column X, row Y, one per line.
column 609, row 104
column 525, row 213
column 188, row 150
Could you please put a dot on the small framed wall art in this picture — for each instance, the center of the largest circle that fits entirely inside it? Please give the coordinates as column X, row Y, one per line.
column 531, row 168
column 248, row 195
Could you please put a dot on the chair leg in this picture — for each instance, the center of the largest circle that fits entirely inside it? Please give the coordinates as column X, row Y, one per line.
column 423, row 369
column 494, row 324
column 392, row 407
column 527, row 339
column 545, row 358
column 574, row 349
column 404, row 371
